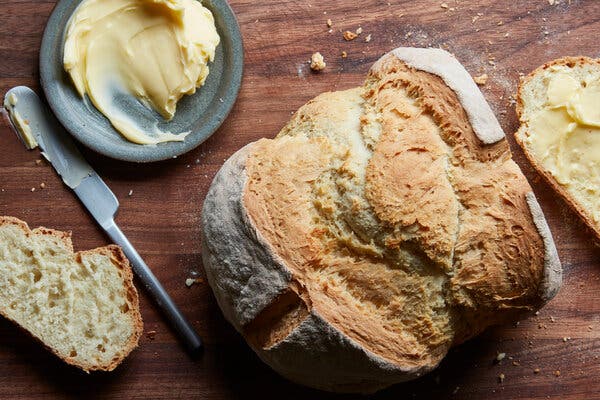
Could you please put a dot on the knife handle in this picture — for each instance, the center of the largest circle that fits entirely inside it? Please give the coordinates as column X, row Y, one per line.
column 186, row 332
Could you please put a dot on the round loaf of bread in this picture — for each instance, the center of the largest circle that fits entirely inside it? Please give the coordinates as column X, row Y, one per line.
column 383, row 225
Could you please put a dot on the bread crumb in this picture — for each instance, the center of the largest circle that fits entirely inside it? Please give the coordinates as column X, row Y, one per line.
column 500, row 23
column 317, row 62
column 444, row 6
column 368, row 38
column 551, row 2
column 557, row 373
column 344, row 54
column 501, row 378
column 190, row 281
column 536, row 371
column 151, row 335
column 38, row 162
column 42, row 185
column 130, row 192
column 33, row 189
column 329, row 23
column 481, row 79
column 500, row 357
column 359, row 30
column 516, row 363
column 350, row 35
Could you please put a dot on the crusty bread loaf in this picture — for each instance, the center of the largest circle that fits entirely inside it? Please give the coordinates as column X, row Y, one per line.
column 382, row 226
column 82, row 306
column 569, row 161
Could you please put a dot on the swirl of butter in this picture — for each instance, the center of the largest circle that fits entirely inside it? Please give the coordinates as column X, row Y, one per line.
column 155, row 50
column 581, row 101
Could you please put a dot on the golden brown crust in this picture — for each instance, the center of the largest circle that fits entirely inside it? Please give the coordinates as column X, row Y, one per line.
column 491, row 193
column 547, row 176
column 120, row 262
column 454, row 248
column 383, row 225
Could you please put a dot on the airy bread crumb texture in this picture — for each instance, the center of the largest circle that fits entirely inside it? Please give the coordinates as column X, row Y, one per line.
column 82, row 306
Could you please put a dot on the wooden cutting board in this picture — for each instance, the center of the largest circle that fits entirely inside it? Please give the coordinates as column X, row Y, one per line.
column 161, row 202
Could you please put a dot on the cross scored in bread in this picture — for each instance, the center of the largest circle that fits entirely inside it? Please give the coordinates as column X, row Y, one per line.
column 383, row 225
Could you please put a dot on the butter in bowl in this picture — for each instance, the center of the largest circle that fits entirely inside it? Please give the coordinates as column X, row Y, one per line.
column 141, row 81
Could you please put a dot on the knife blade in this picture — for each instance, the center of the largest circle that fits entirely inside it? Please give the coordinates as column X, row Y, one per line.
column 36, row 125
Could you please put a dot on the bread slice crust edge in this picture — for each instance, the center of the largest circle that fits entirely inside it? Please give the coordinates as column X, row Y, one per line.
column 119, row 261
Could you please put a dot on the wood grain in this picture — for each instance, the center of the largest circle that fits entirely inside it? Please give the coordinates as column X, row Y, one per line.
column 162, row 216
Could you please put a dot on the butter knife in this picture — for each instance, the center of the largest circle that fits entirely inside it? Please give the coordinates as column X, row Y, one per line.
column 36, row 125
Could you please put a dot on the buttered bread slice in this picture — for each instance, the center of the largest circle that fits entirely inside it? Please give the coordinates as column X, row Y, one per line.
column 82, row 306
column 559, row 110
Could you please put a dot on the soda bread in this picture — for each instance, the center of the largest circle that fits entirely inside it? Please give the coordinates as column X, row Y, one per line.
column 383, row 225
column 559, row 111
column 82, row 306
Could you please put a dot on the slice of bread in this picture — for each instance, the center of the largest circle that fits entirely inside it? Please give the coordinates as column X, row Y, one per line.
column 82, row 306
column 568, row 159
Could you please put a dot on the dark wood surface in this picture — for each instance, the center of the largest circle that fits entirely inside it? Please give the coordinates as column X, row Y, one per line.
column 162, row 215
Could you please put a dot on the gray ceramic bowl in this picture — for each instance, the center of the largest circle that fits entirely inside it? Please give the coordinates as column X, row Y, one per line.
column 201, row 113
